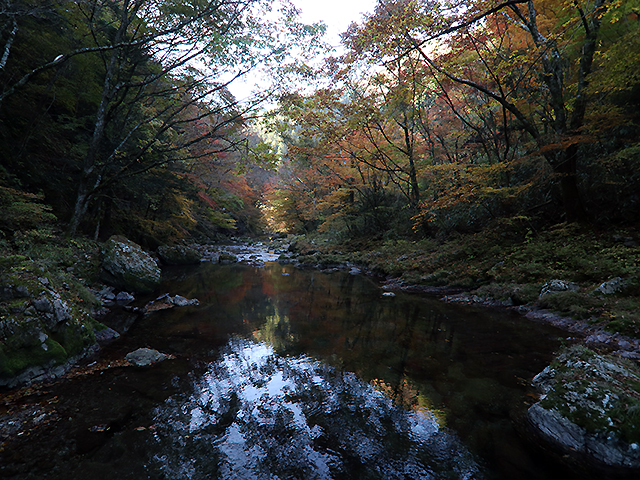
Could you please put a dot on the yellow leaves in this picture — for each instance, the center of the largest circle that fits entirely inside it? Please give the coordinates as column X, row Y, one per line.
column 566, row 142
column 222, row 219
column 621, row 10
column 184, row 214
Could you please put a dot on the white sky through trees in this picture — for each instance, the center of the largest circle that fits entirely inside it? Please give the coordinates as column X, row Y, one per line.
column 336, row 14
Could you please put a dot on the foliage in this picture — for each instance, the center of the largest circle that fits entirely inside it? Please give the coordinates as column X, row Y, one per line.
column 101, row 107
column 23, row 210
column 475, row 114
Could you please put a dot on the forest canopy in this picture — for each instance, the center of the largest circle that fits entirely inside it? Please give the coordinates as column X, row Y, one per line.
column 119, row 113
column 116, row 116
column 450, row 116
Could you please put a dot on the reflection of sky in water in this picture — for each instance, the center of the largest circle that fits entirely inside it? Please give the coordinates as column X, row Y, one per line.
column 256, row 415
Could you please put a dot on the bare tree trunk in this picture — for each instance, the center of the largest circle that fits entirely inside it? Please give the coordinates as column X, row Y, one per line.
column 85, row 189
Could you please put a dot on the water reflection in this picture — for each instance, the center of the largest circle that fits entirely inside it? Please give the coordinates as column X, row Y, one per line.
column 255, row 414
column 471, row 368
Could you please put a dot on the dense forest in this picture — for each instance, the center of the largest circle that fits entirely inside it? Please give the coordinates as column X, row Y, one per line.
column 449, row 117
column 508, row 129
column 438, row 117
column 117, row 115
column 485, row 151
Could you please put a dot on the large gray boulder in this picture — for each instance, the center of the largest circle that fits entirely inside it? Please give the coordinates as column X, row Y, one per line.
column 127, row 266
column 590, row 405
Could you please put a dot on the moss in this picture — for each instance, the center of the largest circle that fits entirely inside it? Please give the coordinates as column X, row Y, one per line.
column 17, row 360
column 593, row 391
column 227, row 257
column 575, row 304
column 75, row 337
column 12, row 261
column 625, row 323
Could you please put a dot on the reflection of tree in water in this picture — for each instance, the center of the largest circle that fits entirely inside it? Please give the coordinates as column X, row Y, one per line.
column 276, row 331
column 255, row 414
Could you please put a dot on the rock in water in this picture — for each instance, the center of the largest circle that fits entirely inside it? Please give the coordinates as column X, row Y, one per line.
column 590, row 404
column 180, row 301
column 144, row 357
column 125, row 265
column 179, row 255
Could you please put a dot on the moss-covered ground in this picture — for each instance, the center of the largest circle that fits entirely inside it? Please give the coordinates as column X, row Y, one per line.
column 44, row 266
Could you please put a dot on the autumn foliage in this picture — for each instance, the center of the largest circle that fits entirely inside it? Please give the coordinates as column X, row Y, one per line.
column 445, row 117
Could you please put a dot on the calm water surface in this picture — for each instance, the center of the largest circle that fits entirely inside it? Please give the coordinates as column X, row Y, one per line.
column 288, row 374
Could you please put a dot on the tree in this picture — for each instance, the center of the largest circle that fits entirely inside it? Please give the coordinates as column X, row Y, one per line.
column 552, row 45
column 156, row 69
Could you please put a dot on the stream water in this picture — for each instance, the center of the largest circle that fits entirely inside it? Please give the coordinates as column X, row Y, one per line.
column 282, row 373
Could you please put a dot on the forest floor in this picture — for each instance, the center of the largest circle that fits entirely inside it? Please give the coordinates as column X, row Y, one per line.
column 507, row 267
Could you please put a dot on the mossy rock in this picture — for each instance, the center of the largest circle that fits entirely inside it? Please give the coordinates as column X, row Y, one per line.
column 127, row 266
column 590, row 404
column 26, row 343
column 179, row 255
column 226, row 258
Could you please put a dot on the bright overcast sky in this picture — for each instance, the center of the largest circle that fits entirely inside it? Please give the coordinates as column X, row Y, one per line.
column 337, row 14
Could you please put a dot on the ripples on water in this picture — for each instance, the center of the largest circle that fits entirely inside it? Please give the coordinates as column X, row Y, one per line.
column 257, row 415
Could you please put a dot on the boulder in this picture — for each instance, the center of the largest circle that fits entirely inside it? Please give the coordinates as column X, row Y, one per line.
column 144, row 357
column 556, row 286
column 124, row 298
column 609, row 287
column 127, row 266
column 588, row 407
column 179, row 255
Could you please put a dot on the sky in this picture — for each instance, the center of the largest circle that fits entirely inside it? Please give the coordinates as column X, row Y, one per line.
column 337, row 14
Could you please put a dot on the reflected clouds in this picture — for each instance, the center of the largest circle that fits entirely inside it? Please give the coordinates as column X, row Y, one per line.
column 255, row 414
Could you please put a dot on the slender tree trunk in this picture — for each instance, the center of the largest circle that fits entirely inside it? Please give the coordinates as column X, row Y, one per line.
column 80, row 209
column 413, row 173
column 571, row 199
column 90, row 180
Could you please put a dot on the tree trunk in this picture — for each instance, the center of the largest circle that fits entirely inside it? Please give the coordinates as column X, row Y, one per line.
column 89, row 177
column 568, row 171
column 80, row 209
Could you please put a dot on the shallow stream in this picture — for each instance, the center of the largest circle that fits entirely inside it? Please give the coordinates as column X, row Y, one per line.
column 285, row 373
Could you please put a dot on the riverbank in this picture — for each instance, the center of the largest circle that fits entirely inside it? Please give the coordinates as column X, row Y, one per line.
column 598, row 271
column 84, row 260
column 583, row 282
column 590, row 281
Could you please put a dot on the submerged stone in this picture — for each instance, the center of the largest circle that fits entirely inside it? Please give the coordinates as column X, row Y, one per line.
column 144, row 357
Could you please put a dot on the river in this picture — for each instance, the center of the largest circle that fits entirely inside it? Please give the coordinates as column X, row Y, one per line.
column 282, row 373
